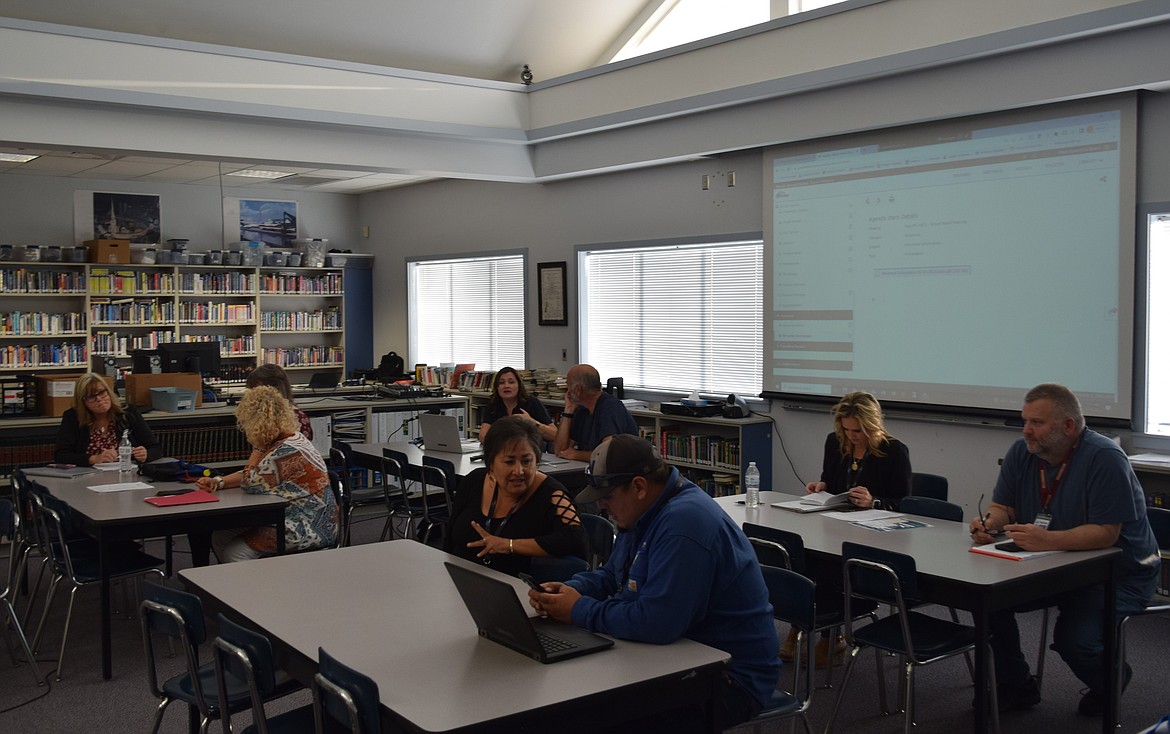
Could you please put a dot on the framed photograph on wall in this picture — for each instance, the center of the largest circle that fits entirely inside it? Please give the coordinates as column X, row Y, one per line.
column 101, row 215
column 554, row 304
column 271, row 222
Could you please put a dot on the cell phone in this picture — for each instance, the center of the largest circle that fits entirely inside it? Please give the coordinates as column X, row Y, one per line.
column 1010, row 546
column 532, row 583
column 172, row 492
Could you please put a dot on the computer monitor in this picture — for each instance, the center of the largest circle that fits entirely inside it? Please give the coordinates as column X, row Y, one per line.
column 201, row 357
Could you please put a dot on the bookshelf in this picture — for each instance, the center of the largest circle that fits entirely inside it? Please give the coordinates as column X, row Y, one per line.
column 43, row 323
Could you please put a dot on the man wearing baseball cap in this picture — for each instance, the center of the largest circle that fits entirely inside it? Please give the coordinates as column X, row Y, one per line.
column 680, row 568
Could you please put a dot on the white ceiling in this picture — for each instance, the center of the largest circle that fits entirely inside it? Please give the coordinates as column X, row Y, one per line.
column 481, row 39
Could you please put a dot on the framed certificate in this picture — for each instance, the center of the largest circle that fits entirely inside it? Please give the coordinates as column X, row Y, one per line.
column 554, row 305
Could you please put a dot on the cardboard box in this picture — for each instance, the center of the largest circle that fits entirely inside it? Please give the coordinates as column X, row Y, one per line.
column 138, row 386
column 109, row 251
column 55, row 392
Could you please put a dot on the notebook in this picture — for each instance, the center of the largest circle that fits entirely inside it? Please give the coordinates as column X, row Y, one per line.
column 193, row 497
column 501, row 618
column 441, row 433
column 816, row 502
column 64, row 470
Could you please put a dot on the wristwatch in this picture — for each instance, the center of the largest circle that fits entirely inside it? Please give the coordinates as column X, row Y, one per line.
column 218, row 483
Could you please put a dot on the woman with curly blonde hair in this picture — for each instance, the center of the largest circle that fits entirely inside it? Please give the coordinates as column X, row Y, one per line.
column 284, row 463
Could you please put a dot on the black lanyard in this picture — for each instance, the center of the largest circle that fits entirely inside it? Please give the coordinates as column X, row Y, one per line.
column 492, row 511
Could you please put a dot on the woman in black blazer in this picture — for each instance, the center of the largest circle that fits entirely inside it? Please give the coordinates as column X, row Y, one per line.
column 91, row 429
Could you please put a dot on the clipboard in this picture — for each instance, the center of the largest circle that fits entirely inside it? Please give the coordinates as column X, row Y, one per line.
column 190, row 498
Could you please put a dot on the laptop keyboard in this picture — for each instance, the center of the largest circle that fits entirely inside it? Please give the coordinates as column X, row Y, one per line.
column 552, row 644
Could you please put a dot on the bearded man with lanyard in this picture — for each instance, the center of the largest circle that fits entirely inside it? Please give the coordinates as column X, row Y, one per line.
column 1065, row 487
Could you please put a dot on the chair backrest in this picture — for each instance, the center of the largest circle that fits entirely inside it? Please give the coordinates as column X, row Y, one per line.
column 771, row 553
column 442, row 472
column 928, row 485
column 930, row 507
column 1159, row 518
column 341, row 496
column 601, row 533
column 792, row 544
column 794, row 600
column 345, row 695
column 245, row 655
column 879, row 574
column 556, row 568
column 395, row 464
column 177, row 615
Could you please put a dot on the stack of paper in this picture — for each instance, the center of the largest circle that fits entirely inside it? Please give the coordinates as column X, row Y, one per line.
column 816, row 502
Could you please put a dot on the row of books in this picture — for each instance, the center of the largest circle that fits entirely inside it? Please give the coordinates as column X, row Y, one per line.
column 27, row 356
column 704, row 450
column 104, row 280
column 114, row 343
column 716, row 485
column 325, row 284
column 41, row 323
column 131, row 311
column 318, row 356
column 477, row 381
column 319, row 320
column 32, row 280
column 226, row 283
column 221, row 313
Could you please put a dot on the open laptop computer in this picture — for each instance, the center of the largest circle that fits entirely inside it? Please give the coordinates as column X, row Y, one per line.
column 501, row 618
column 324, row 380
column 441, row 433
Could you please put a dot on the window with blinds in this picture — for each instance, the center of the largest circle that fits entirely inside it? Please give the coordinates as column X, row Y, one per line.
column 467, row 310
column 678, row 317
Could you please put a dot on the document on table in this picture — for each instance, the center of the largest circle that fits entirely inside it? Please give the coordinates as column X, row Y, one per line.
column 891, row 523
column 120, row 486
column 815, row 502
column 863, row 515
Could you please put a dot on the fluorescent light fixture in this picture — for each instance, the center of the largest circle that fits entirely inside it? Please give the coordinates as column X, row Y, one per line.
column 17, row 158
column 258, row 173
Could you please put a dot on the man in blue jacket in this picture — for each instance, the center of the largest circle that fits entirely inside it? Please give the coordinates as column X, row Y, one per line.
column 680, row 568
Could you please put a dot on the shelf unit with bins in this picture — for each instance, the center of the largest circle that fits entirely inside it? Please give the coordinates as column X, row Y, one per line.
column 43, row 323
column 301, row 313
column 713, row 451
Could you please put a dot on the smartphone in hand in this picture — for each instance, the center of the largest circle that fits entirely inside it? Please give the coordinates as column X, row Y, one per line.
column 532, row 583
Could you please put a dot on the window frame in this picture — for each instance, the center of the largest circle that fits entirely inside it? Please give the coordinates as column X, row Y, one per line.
column 411, row 326
column 1142, row 286
column 691, row 242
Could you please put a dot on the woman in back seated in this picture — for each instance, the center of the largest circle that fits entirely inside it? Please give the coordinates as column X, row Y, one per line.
column 91, row 430
column 861, row 458
column 509, row 397
column 510, row 512
column 283, row 463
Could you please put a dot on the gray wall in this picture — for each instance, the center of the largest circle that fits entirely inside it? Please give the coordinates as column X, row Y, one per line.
column 550, row 220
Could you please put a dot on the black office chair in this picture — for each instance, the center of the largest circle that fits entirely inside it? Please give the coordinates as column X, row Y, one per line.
column 437, row 505
column 375, row 495
column 793, row 599
column 928, row 485
column 9, row 528
column 887, row 577
column 341, row 497
column 56, row 524
column 602, row 535
column 930, row 507
column 240, row 655
column 784, row 549
column 178, row 615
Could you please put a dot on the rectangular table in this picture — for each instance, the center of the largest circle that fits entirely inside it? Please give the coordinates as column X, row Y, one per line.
column 951, row 575
column 369, row 455
column 390, row 611
column 109, row 517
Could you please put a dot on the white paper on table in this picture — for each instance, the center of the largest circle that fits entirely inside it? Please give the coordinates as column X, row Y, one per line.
column 108, row 466
column 120, row 487
column 862, row 515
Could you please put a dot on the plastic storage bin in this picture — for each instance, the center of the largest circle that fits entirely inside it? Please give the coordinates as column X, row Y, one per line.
column 172, row 399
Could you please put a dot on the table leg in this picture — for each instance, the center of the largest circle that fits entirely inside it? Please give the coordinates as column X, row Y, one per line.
column 104, row 572
column 1109, row 625
column 280, row 534
column 982, row 670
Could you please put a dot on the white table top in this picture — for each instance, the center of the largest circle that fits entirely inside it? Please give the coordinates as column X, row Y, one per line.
column 550, row 464
column 391, row 611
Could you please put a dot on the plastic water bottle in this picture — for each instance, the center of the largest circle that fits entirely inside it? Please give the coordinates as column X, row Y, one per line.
column 752, row 478
column 125, row 451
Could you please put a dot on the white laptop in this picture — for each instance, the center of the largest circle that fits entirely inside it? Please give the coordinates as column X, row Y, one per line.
column 441, row 433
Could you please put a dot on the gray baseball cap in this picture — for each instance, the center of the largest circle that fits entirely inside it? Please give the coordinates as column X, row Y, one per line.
column 616, row 462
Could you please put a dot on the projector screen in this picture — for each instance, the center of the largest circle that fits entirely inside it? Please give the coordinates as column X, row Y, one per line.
column 950, row 266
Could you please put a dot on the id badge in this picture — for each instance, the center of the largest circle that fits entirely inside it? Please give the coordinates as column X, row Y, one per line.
column 1042, row 520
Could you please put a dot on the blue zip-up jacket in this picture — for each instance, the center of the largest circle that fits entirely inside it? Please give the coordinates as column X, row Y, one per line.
column 691, row 573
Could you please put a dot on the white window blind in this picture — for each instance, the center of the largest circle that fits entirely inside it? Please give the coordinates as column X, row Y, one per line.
column 467, row 310
column 676, row 318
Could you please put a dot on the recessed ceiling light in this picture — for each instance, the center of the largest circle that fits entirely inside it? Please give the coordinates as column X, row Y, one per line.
column 257, row 173
column 17, row 158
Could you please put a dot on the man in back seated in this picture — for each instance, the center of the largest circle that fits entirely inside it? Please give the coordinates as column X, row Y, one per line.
column 1065, row 487
column 680, row 568
column 591, row 415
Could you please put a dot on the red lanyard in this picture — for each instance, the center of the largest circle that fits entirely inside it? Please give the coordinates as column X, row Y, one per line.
column 1047, row 493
